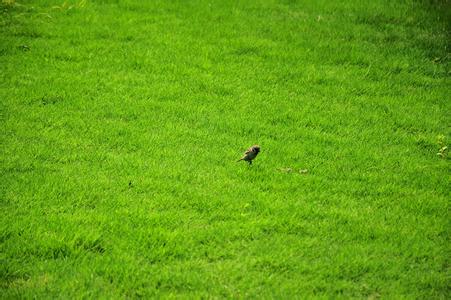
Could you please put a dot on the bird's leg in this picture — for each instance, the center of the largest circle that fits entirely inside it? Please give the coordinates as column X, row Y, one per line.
column 250, row 162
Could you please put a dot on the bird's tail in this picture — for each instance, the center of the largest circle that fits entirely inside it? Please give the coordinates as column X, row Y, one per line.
column 240, row 160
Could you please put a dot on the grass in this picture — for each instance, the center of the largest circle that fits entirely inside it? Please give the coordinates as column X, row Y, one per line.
column 122, row 122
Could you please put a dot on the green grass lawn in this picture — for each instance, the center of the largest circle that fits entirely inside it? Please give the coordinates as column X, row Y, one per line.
column 122, row 122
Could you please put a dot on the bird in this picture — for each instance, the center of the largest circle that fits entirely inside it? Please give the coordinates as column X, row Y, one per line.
column 250, row 154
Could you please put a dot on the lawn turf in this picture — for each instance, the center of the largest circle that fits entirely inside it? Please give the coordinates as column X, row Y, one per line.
column 122, row 122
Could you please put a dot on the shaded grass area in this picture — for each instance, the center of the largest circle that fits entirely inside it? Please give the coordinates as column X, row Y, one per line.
column 122, row 122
